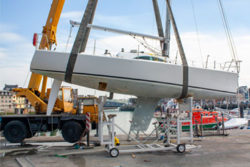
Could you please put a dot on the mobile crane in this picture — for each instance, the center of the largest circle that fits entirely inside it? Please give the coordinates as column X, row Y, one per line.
column 66, row 116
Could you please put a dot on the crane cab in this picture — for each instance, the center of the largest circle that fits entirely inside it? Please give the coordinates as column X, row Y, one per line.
column 64, row 100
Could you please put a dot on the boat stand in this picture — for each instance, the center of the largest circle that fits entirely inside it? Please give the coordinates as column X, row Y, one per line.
column 171, row 132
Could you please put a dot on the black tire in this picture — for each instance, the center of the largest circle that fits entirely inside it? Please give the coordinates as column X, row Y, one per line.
column 72, row 131
column 181, row 148
column 15, row 131
column 114, row 152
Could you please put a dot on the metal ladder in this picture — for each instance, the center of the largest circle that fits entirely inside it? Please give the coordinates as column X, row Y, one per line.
column 173, row 124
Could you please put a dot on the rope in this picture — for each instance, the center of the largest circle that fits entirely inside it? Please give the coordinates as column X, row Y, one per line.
column 197, row 32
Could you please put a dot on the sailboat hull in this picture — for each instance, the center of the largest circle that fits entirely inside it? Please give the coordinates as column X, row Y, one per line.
column 135, row 77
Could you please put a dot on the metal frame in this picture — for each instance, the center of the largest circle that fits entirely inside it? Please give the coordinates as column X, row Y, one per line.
column 140, row 147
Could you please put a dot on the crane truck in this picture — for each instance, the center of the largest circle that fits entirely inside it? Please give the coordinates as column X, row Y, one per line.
column 66, row 116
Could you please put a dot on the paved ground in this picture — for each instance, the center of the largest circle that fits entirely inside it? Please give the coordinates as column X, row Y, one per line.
column 230, row 151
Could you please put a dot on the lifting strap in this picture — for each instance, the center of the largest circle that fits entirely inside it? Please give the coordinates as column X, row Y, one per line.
column 81, row 38
column 184, row 93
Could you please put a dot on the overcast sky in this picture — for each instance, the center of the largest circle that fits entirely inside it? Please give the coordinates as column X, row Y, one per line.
column 20, row 19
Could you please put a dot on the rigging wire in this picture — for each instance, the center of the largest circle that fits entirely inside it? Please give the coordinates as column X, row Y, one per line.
column 155, row 50
column 229, row 37
column 197, row 32
column 231, row 45
column 146, row 45
column 70, row 35
column 27, row 75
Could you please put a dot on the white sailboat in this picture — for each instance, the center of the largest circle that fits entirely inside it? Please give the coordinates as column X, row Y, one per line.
column 148, row 80
column 134, row 76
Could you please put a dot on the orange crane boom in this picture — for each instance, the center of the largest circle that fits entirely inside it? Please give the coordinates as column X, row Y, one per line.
column 48, row 38
column 32, row 93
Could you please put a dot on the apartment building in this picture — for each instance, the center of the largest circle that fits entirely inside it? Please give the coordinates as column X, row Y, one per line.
column 9, row 102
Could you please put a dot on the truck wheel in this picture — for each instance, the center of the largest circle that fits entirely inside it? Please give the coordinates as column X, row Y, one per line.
column 72, row 131
column 15, row 131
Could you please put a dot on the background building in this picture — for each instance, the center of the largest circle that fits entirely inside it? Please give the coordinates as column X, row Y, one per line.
column 6, row 101
column 10, row 103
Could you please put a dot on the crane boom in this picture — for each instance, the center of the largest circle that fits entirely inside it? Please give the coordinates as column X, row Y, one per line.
column 48, row 38
column 32, row 93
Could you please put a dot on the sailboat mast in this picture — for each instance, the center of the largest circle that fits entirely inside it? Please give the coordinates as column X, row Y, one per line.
column 166, row 46
column 159, row 24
